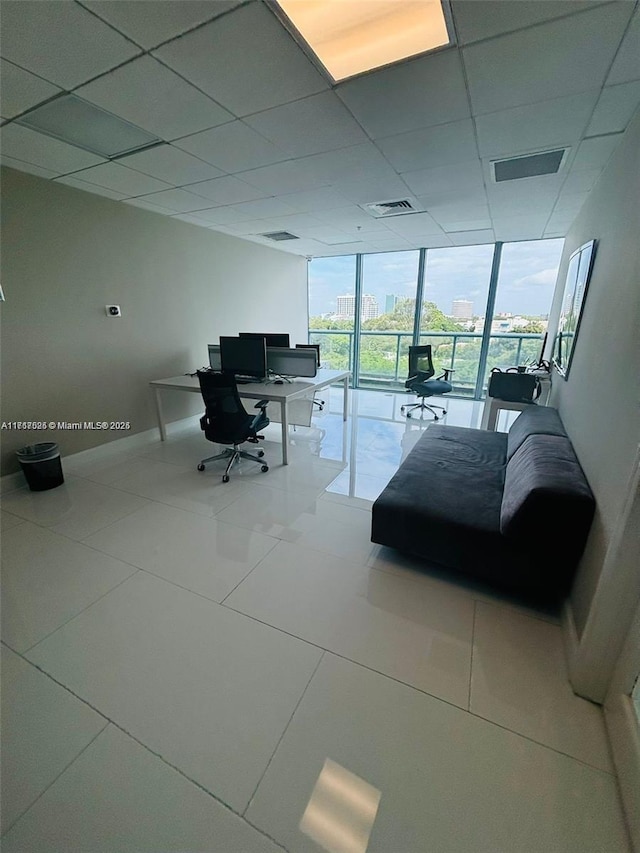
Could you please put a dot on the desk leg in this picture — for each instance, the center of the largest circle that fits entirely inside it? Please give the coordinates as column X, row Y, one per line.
column 345, row 398
column 284, row 417
column 161, row 426
column 489, row 414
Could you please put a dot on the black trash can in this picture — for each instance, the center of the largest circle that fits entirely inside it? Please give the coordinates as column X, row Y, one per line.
column 41, row 465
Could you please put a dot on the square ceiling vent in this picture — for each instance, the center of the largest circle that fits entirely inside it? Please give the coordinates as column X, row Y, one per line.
column 528, row 166
column 395, row 207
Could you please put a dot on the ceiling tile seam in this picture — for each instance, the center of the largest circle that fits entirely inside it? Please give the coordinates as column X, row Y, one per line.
column 171, row 38
column 36, row 107
column 121, row 158
column 536, row 24
column 467, row 90
column 547, row 100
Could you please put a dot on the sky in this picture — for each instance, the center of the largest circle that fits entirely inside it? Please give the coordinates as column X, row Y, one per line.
column 526, row 282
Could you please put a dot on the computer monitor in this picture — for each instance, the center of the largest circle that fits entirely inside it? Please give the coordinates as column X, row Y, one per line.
column 244, row 357
column 215, row 362
column 272, row 339
column 316, row 347
column 291, row 362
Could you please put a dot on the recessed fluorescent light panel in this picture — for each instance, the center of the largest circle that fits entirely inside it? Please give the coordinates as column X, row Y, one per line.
column 350, row 37
column 79, row 123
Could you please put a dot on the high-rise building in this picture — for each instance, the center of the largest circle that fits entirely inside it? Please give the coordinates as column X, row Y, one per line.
column 390, row 302
column 346, row 306
column 462, row 309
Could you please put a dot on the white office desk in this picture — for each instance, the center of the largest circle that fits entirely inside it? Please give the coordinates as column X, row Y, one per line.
column 493, row 405
column 282, row 394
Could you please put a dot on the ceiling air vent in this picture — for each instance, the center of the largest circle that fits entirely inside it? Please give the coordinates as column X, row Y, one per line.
column 279, row 235
column 529, row 166
column 391, row 208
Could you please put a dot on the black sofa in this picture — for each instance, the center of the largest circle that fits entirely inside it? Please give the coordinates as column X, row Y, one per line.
column 511, row 509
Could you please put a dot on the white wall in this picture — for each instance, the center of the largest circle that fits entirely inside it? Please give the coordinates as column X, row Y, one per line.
column 600, row 403
column 67, row 254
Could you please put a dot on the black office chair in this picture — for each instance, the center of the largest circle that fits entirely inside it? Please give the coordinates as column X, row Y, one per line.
column 419, row 381
column 319, row 403
column 226, row 421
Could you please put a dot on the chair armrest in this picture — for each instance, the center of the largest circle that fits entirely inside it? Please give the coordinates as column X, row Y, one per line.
column 446, row 373
column 261, row 404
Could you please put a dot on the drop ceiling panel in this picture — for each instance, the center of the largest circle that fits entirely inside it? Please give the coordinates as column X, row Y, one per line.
column 31, row 168
column 337, row 166
column 535, row 127
column 421, row 93
column 481, row 19
column 152, row 97
column 245, row 60
column 626, row 65
column 448, row 213
column 432, row 147
column 571, row 202
column 119, row 178
column 581, row 180
column 374, row 189
column 22, row 90
column 310, row 126
column 615, row 108
column 61, row 41
column 595, row 153
column 149, row 26
column 227, row 190
column 263, row 208
column 223, row 215
column 283, row 178
column 519, row 228
column 562, row 57
column 472, row 238
column 413, row 224
column 147, row 205
column 468, row 225
column 177, row 200
column 70, row 181
column 25, row 144
column 443, row 179
column 233, row 147
column 309, row 201
column 171, row 165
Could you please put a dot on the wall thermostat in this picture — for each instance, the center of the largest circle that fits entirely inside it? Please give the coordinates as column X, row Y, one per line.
column 113, row 310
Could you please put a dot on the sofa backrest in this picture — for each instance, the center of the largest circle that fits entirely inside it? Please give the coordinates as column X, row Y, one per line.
column 534, row 420
column 547, row 499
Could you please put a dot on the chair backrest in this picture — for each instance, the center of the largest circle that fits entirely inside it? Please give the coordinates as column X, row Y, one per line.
column 420, row 362
column 227, row 419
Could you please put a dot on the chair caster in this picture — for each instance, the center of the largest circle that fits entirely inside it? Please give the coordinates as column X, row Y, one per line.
column 402, row 408
column 408, row 414
column 201, row 467
column 261, row 453
column 225, row 478
column 264, row 469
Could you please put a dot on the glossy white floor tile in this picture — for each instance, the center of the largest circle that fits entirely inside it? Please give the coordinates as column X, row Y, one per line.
column 201, row 554
column 119, row 798
column 448, row 781
column 205, row 688
column 421, row 636
column 186, row 488
column 47, row 579
column 76, row 509
column 193, row 615
column 520, row 681
column 7, row 521
column 44, row 728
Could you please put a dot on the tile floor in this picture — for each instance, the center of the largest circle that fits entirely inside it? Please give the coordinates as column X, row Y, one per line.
column 192, row 666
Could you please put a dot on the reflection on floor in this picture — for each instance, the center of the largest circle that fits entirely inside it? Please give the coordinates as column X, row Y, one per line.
column 188, row 665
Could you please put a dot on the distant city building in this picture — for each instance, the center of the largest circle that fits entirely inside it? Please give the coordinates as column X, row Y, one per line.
column 346, row 307
column 390, row 303
column 462, row 309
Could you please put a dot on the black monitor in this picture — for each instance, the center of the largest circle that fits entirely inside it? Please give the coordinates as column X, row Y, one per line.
column 272, row 339
column 244, row 356
column 316, row 347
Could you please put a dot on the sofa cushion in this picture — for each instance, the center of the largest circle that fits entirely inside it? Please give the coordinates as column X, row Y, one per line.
column 547, row 497
column 535, row 420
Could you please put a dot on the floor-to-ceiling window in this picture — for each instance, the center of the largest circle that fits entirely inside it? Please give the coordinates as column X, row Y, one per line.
column 332, row 307
column 478, row 306
column 387, row 316
column 454, row 302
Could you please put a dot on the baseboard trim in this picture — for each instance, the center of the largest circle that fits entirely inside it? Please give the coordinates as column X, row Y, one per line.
column 624, row 737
